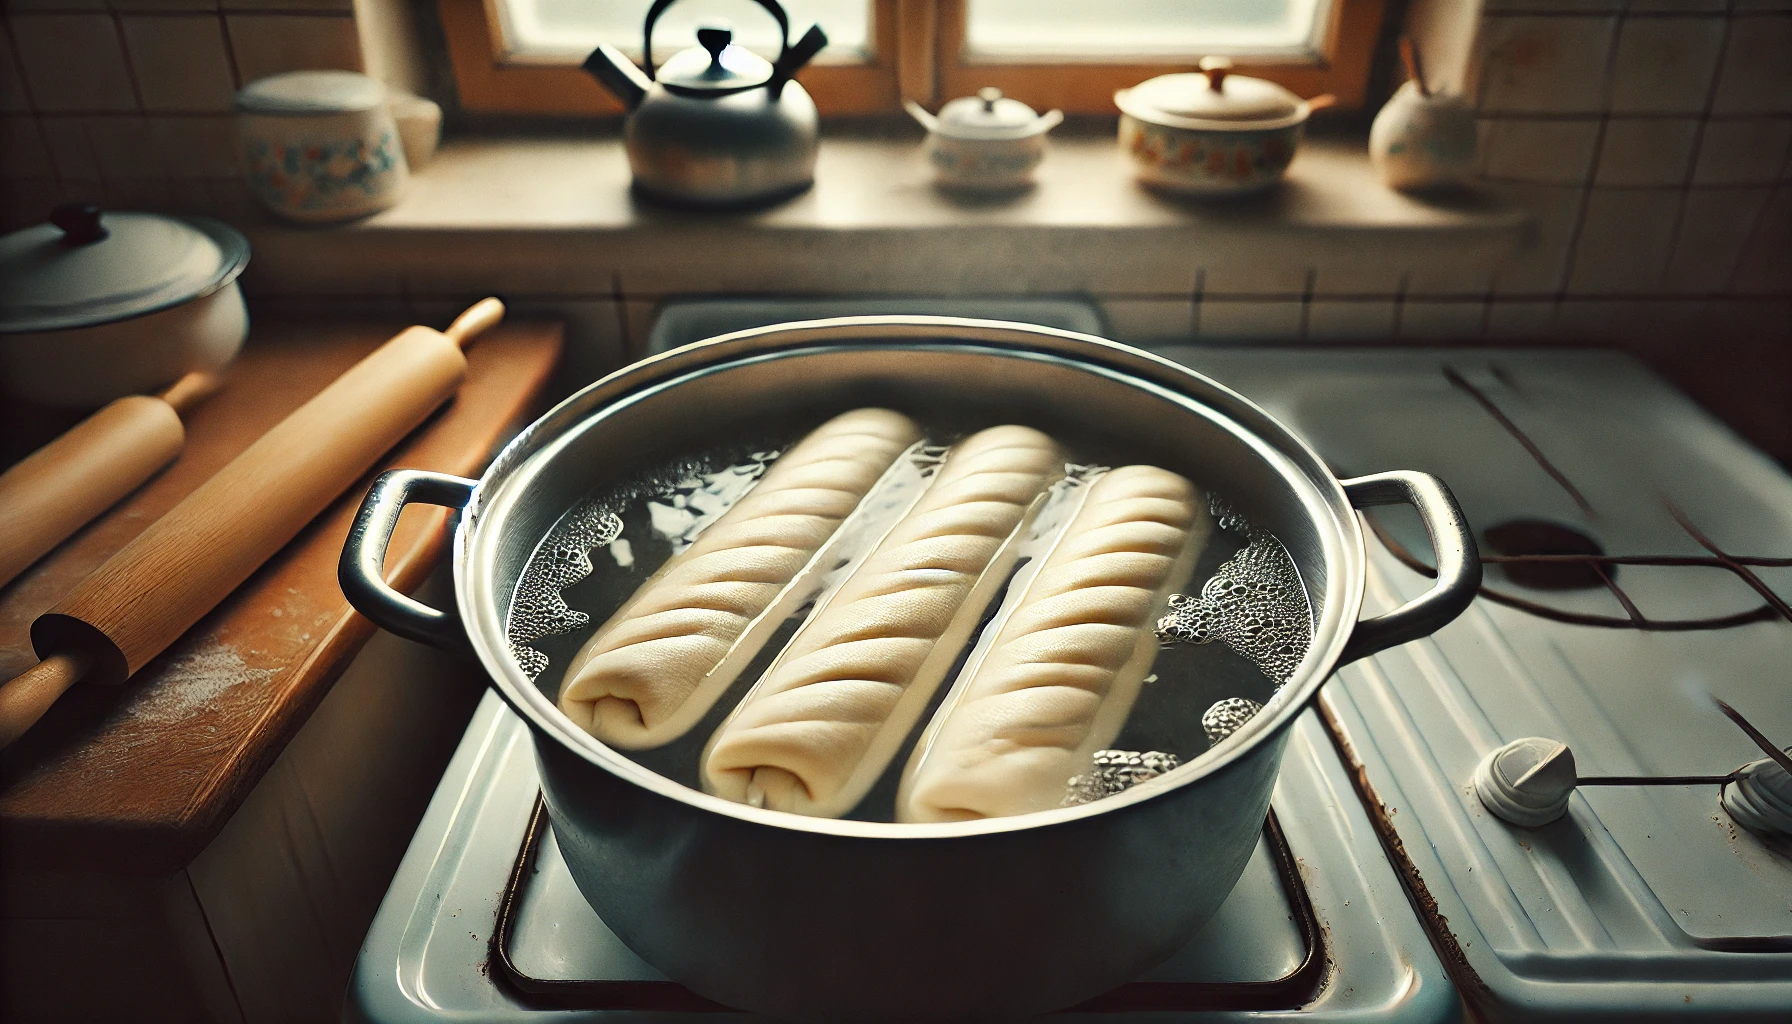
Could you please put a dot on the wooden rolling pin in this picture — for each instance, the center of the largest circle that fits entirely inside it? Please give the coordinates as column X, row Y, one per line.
column 64, row 485
column 155, row 588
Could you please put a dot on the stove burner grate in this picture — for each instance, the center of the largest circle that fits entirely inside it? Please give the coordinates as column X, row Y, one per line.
column 1604, row 566
column 1289, row 992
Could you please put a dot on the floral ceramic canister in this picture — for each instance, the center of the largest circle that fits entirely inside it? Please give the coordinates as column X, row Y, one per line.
column 320, row 146
column 1423, row 140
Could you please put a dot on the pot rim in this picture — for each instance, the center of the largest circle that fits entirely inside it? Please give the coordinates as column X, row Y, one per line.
column 478, row 613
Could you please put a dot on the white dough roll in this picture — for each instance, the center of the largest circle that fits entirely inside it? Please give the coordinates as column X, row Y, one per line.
column 663, row 659
column 829, row 716
column 1062, row 675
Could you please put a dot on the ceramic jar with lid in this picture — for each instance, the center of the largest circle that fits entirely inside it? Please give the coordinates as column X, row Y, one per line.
column 1212, row 133
column 320, row 146
column 985, row 142
column 1423, row 140
column 95, row 306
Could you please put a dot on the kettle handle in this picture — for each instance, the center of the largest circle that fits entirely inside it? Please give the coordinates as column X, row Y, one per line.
column 659, row 7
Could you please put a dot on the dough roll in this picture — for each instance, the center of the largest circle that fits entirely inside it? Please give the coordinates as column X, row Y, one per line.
column 828, row 717
column 1063, row 673
column 652, row 671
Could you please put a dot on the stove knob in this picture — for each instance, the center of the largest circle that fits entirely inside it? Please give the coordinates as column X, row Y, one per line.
column 1527, row 782
column 1761, row 798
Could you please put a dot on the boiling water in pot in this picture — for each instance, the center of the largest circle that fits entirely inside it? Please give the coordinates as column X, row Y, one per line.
column 1228, row 641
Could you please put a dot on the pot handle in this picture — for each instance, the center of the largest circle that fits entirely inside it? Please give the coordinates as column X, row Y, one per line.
column 362, row 569
column 1458, row 561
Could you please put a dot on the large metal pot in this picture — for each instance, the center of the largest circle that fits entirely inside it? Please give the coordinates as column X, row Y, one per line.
column 828, row 919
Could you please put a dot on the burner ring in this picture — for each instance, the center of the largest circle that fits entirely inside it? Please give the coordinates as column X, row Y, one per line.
column 1521, row 537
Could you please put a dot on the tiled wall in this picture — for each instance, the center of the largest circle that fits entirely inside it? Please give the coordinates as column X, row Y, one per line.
column 129, row 100
column 1650, row 140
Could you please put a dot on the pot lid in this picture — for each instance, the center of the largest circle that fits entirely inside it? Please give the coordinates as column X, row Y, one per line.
column 716, row 65
column 988, row 115
column 86, row 267
column 1214, row 96
column 310, row 93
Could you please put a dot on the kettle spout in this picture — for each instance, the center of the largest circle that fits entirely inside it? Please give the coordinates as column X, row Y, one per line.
column 617, row 73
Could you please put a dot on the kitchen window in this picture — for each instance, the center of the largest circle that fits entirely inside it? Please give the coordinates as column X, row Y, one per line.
column 522, row 56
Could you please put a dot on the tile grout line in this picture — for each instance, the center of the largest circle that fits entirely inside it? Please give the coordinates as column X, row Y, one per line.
column 1605, row 116
column 1698, row 138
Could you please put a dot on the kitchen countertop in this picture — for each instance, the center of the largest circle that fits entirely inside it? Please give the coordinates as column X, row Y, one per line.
column 137, row 779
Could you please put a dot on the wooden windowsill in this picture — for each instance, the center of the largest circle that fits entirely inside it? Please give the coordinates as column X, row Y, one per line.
column 554, row 216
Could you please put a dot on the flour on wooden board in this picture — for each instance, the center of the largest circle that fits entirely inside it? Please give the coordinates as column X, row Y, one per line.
column 192, row 682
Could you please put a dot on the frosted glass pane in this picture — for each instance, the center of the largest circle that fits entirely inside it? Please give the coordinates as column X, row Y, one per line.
column 575, row 27
column 1070, row 29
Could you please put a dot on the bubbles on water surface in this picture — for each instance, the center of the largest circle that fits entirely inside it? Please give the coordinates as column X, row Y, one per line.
column 1115, row 771
column 1253, row 603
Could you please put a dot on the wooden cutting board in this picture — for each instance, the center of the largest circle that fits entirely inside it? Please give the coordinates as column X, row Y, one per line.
column 139, row 778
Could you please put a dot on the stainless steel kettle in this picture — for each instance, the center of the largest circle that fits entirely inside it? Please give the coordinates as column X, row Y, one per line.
column 716, row 125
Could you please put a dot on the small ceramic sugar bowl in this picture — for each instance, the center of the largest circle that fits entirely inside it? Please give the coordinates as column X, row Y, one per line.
column 320, row 146
column 986, row 142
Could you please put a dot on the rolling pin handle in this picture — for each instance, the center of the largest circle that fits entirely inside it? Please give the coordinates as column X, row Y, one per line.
column 362, row 569
column 478, row 318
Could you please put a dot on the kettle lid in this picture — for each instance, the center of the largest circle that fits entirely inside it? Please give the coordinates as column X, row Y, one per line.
column 715, row 65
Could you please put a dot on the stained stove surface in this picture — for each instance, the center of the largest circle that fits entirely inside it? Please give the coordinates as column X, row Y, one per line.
column 1644, row 899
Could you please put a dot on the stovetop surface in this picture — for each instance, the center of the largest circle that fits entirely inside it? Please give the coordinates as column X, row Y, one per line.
column 1643, row 899
column 429, row 954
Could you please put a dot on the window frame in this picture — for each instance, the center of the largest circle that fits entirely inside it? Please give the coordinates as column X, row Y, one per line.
column 918, row 54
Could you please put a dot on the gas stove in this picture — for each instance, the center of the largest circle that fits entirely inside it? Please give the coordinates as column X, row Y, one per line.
column 1384, row 887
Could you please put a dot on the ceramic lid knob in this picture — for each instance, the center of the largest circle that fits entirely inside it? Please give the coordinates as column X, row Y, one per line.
column 1528, row 781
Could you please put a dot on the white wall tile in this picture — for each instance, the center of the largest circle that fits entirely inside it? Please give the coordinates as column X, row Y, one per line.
column 1714, row 227
column 1766, row 264
column 26, row 154
column 138, row 193
column 70, row 152
column 1425, row 318
column 1519, row 319
column 1624, row 239
column 54, row 6
column 1588, row 319
column 1756, row 74
column 1246, row 320
column 1544, row 64
column 1665, row 65
column 1366, row 277
column 1541, row 262
column 1254, row 280
column 1350, row 319
column 180, row 63
column 1429, row 281
column 164, row 5
column 1676, row 6
column 124, row 147
column 74, row 63
column 196, row 147
column 268, row 44
column 1749, row 152
column 1646, row 151
column 1132, row 319
column 27, row 201
column 1554, row 151
column 12, row 81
